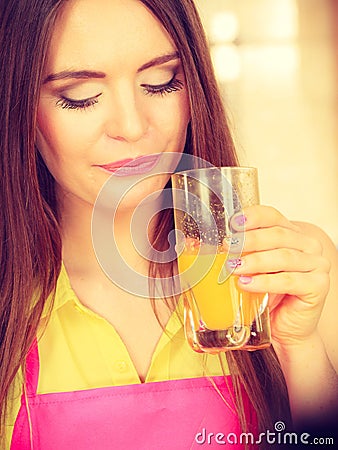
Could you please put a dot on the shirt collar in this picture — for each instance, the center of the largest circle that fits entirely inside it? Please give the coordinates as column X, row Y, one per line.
column 63, row 293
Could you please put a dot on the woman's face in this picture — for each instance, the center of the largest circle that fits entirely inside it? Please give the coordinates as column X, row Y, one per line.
column 114, row 90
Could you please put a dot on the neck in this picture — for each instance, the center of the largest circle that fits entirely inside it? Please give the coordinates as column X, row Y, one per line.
column 127, row 243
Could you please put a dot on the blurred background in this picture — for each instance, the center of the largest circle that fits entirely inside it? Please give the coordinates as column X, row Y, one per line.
column 277, row 65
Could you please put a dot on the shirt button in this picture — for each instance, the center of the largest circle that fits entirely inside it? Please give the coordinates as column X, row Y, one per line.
column 120, row 366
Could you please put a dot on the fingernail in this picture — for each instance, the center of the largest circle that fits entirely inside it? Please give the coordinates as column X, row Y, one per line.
column 234, row 263
column 245, row 280
column 240, row 220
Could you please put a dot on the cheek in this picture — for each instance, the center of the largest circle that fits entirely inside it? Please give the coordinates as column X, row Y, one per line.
column 59, row 145
column 56, row 132
column 172, row 123
column 52, row 134
column 183, row 117
column 61, row 136
column 180, row 130
column 74, row 127
column 47, row 131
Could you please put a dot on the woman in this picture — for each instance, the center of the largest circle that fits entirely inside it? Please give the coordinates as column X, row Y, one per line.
column 87, row 87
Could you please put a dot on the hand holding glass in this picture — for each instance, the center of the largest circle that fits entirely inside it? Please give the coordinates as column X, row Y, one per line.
column 219, row 315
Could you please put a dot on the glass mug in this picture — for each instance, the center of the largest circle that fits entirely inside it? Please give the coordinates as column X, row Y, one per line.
column 218, row 315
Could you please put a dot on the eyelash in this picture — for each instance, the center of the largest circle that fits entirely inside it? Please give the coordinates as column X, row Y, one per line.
column 162, row 89
column 173, row 85
column 67, row 103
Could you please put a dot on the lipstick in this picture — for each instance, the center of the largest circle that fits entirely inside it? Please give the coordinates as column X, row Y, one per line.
column 136, row 166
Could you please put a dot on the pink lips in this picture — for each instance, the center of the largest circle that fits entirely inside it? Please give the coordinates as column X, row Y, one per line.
column 136, row 166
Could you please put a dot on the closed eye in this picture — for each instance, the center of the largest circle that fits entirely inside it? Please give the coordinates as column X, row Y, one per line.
column 166, row 88
column 68, row 103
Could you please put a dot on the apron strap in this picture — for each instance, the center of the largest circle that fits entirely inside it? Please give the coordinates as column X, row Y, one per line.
column 32, row 368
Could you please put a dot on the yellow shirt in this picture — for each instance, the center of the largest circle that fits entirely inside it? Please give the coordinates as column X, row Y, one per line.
column 81, row 350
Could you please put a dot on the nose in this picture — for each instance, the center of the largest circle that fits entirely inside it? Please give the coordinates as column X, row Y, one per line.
column 127, row 118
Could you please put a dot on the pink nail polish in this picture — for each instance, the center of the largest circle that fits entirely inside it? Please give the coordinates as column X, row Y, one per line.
column 240, row 220
column 234, row 263
column 245, row 280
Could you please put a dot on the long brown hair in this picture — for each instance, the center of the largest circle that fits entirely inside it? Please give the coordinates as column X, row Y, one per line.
column 30, row 245
column 30, row 253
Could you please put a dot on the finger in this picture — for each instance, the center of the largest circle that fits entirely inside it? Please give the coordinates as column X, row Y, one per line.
column 280, row 237
column 309, row 286
column 259, row 216
column 277, row 260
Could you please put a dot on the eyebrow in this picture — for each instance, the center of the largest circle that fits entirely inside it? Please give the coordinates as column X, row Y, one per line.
column 159, row 61
column 77, row 74
column 88, row 74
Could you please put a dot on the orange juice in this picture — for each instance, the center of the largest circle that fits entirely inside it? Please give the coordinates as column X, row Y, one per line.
column 218, row 312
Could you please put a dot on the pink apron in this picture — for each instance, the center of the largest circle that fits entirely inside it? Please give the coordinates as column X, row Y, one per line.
column 180, row 414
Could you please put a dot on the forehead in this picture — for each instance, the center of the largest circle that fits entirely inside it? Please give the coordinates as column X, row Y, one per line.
column 93, row 34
